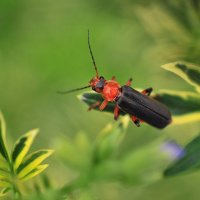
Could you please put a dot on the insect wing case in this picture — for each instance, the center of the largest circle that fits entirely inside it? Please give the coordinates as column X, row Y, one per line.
column 144, row 107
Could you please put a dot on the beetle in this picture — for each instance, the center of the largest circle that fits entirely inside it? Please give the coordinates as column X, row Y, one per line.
column 139, row 105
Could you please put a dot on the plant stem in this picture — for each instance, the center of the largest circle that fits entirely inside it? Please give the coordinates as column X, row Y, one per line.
column 16, row 191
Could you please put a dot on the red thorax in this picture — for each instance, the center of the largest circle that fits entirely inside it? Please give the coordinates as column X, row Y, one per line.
column 109, row 90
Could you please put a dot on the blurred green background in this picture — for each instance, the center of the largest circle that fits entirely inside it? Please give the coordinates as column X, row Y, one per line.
column 43, row 48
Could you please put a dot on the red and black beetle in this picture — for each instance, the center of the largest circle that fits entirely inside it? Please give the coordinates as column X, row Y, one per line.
column 138, row 105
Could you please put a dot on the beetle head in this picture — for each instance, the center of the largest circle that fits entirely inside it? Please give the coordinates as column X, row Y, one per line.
column 97, row 84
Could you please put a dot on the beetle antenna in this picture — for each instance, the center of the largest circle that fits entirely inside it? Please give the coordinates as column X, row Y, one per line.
column 73, row 90
column 95, row 67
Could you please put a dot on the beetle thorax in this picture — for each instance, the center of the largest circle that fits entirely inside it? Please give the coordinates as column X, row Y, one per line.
column 111, row 90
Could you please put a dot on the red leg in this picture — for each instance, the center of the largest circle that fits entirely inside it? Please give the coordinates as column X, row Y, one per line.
column 94, row 105
column 136, row 121
column 129, row 82
column 103, row 105
column 147, row 91
column 116, row 112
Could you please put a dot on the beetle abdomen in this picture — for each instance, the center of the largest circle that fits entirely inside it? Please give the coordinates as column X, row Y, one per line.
column 144, row 107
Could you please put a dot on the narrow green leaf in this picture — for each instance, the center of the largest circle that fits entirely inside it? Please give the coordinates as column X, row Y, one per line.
column 91, row 97
column 4, row 182
column 4, row 191
column 187, row 71
column 32, row 161
column 34, row 172
column 4, row 175
column 189, row 162
column 22, row 147
column 184, row 106
column 4, row 165
column 3, row 143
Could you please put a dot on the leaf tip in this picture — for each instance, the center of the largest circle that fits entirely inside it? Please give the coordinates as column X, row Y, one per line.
column 51, row 151
column 33, row 133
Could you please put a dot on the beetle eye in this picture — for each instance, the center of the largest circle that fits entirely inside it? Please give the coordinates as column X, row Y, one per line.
column 101, row 77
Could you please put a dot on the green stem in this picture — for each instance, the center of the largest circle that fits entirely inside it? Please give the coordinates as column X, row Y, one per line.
column 16, row 191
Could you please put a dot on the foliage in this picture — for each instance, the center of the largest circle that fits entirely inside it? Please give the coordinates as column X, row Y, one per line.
column 179, row 35
column 189, row 162
column 184, row 105
column 17, row 167
column 101, row 161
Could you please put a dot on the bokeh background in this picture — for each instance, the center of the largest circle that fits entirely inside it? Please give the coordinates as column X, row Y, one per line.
column 43, row 48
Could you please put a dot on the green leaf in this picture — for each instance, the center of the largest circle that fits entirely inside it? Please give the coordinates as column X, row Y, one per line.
column 189, row 162
column 4, row 182
column 4, row 174
column 3, row 143
column 91, row 97
column 4, row 191
column 34, row 172
column 4, row 165
column 187, row 71
column 22, row 147
column 184, row 106
column 109, row 139
column 32, row 161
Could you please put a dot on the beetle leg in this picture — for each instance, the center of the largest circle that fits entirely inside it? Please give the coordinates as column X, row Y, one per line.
column 103, row 105
column 136, row 121
column 147, row 91
column 94, row 105
column 116, row 112
column 129, row 82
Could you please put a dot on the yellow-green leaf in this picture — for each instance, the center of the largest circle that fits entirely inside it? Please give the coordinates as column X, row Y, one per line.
column 188, row 118
column 4, row 174
column 184, row 106
column 3, row 143
column 35, row 172
column 4, row 182
column 32, row 161
column 4, row 191
column 22, row 147
column 187, row 71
